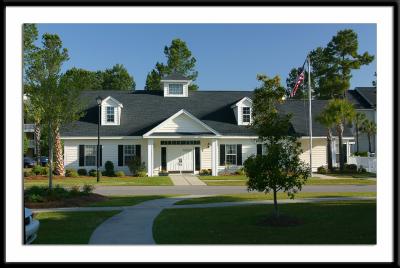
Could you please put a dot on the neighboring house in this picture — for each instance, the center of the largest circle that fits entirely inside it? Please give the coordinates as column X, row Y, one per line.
column 364, row 100
column 177, row 130
column 29, row 130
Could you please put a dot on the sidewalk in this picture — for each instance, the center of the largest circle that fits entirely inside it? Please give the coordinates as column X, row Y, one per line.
column 185, row 179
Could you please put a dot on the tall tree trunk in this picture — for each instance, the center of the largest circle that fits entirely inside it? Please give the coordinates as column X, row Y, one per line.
column 329, row 141
column 340, row 129
column 59, row 167
column 50, row 157
column 357, row 137
column 37, row 134
column 276, row 205
column 369, row 143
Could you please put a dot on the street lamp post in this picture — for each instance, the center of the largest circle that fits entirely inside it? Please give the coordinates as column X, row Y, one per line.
column 98, row 100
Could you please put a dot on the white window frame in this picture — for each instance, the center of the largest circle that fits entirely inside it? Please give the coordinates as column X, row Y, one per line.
column 93, row 154
column 247, row 114
column 230, row 154
column 110, row 108
column 132, row 153
column 173, row 93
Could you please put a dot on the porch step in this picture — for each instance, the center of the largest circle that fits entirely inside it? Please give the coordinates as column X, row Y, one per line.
column 184, row 179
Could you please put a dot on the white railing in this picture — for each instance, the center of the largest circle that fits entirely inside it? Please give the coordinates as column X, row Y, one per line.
column 29, row 127
column 369, row 163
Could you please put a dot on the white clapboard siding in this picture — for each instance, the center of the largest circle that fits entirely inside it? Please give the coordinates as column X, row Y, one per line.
column 182, row 123
column 319, row 154
column 205, row 154
column 110, row 152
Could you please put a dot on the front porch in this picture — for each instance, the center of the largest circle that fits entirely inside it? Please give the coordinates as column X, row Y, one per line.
column 188, row 154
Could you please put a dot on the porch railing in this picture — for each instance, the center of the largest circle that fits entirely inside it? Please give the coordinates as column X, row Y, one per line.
column 369, row 163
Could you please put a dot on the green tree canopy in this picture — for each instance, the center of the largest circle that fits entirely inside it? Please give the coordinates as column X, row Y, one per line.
column 82, row 79
column 179, row 60
column 117, row 78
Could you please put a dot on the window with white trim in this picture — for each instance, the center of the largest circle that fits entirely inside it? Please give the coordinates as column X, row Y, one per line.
column 230, row 154
column 129, row 153
column 110, row 114
column 90, row 155
column 246, row 114
column 175, row 89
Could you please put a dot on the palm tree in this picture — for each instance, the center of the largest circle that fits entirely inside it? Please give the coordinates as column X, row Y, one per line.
column 327, row 120
column 358, row 121
column 342, row 112
column 368, row 127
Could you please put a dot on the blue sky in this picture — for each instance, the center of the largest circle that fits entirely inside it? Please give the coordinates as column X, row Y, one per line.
column 229, row 56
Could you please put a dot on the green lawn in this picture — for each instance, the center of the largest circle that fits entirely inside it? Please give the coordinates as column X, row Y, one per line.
column 119, row 201
column 69, row 227
column 323, row 223
column 109, row 181
column 262, row 196
column 351, row 175
column 241, row 181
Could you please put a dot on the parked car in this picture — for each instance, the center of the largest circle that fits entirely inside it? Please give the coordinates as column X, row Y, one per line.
column 29, row 162
column 31, row 226
column 43, row 160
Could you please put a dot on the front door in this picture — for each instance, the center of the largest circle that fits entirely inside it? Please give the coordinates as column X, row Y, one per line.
column 180, row 158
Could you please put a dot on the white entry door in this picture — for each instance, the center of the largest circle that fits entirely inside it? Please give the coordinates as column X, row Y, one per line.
column 180, row 158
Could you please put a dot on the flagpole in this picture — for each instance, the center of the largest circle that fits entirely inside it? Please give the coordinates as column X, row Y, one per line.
column 309, row 110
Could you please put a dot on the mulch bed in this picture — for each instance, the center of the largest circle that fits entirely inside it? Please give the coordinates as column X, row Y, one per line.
column 281, row 221
column 79, row 201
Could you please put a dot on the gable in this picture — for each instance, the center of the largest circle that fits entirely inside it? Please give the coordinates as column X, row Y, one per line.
column 182, row 122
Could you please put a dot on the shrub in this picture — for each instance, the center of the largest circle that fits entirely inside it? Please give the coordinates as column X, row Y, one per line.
column 322, row 170
column 37, row 169
column 35, row 198
column 119, row 174
column 87, row 188
column 71, row 173
column 75, row 190
column 82, row 172
column 361, row 169
column 362, row 154
column 44, row 171
column 27, row 173
column 205, row 172
column 136, row 167
column 109, row 166
column 352, row 168
column 93, row 173
column 240, row 171
column 163, row 173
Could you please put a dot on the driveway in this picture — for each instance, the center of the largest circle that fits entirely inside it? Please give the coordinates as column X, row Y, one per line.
column 204, row 190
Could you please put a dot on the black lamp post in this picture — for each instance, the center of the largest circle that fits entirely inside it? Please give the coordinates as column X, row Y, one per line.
column 98, row 100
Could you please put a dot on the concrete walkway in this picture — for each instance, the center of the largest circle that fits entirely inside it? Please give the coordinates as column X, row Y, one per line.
column 204, row 190
column 185, row 179
column 134, row 225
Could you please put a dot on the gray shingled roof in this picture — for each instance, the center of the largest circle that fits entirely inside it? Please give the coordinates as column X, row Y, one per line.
column 143, row 110
column 363, row 97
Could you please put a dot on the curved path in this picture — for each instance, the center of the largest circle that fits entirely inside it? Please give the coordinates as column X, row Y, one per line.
column 134, row 225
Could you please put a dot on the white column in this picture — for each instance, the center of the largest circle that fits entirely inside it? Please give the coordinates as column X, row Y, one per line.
column 333, row 147
column 150, row 157
column 214, row 157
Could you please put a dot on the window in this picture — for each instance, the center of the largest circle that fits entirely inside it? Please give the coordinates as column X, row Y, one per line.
column 175, row 89
column 90, row 155
column 246, row 114
column 129, row 153
column 110, row 114
column 230, row 154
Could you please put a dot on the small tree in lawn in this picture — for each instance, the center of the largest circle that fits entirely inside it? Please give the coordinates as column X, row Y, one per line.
column 280, row 169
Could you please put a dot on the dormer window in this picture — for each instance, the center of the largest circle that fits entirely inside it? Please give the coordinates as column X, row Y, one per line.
column 110, row 114
column 175, row 85
column 175, row 89
column 246, row 115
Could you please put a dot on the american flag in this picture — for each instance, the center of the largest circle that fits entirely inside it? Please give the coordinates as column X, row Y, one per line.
column 299, row 80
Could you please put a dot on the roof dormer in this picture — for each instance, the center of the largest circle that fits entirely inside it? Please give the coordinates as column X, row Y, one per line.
column 111, row 112
column 175, row 85
column 243, row 110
